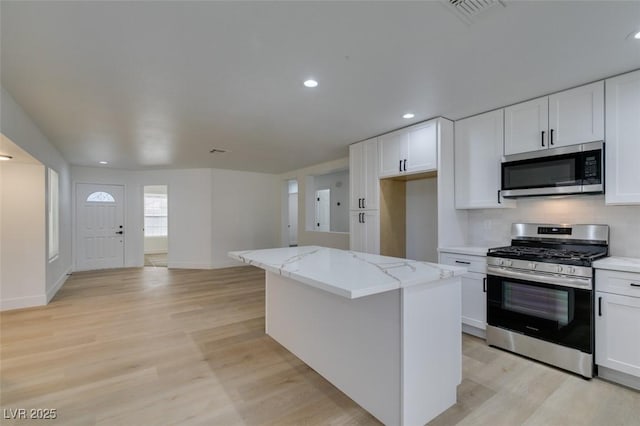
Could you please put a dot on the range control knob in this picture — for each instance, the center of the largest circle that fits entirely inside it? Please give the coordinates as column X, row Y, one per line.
column 559, row 268
column 508, row 263
column 532, row 266
column 500, row 262
column 571, row 270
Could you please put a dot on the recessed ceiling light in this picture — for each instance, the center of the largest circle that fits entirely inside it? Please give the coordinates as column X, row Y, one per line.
column 4, row 157
column 637, row 35
column 310, row 83
column 103, row 162
column 408, row 115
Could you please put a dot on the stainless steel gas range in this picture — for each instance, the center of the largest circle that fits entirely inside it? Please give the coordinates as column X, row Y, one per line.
column 540, row 293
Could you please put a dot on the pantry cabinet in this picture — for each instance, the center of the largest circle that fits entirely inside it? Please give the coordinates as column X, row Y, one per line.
column 364, row 231
column 408, row 151
column 623, row 139
column 478, row 148
column 569, row 117
column 363, row 175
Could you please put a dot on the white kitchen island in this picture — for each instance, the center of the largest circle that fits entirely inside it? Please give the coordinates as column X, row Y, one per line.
column 383, row 330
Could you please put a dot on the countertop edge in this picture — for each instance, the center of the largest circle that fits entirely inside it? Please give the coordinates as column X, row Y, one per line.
column 618, row 263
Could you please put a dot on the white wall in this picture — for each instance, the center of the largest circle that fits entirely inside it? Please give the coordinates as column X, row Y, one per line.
column 211, row 212
column 156, row 244
column 338, row 240
column 245, row 213
column 422, row 219
column 492, row 227
column 17, row 126
column 23, row 234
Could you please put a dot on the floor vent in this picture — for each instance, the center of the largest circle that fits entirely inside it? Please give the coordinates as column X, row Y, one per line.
column 469, row 10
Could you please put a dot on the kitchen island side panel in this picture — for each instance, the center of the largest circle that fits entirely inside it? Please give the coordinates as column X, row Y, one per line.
column 431, row 349
column 353, row 343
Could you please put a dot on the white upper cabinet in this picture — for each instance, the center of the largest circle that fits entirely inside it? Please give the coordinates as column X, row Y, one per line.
column 363, row 175
column 570, row 117
column 623, row 139
column 410, row 150
column 577, row 115
column 422, row 148
column 525, row 126
column 478, row 154
column 391, row 148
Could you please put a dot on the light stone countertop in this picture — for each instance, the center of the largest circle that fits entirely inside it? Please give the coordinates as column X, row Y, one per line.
column 346, row 273
column 614, row 263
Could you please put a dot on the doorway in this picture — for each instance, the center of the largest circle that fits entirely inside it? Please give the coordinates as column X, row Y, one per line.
column 100, row 229
column 323, row 210
column 292, row 212
column 156, row 226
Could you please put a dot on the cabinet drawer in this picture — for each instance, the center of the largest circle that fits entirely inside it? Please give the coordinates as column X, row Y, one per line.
column 472, row 263
column 616, row 282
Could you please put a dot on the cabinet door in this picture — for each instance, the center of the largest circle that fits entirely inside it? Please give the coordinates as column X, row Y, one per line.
column 370, row 175
column 618, row 332
column 474, row 300
column 357, row 240
column 477, row 157
column 391, row 148
column 357, row 182
column 371, row 220
column 525, row 126
column 364, row 231
column 577, row 115
column 623, row 139
column 422, row 148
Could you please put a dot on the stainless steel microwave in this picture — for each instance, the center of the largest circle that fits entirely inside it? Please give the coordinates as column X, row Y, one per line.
column 575, row 169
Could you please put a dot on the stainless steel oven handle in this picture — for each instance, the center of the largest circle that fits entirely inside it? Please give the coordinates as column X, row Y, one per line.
column 541, row 277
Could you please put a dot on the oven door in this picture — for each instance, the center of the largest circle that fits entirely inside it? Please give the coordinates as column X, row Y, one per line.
column 551, row 312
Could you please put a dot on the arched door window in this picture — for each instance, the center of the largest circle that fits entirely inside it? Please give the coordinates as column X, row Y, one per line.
column 101, row 197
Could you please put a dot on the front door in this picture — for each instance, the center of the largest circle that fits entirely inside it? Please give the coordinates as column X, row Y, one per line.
column 99, row 226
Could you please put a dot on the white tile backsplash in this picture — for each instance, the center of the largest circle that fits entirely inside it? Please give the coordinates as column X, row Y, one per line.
column 492, row 227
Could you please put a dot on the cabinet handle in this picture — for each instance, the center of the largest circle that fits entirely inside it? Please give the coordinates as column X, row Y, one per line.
column 464, row 263
column 400, row 166
column 359, row 217
column 363, row 204
column 550, row 136
column 542, row 138
column 362, row 217
column 599, row 306
column 405, row 165
column 634, row 285
column 499, row 202
column 484, row 285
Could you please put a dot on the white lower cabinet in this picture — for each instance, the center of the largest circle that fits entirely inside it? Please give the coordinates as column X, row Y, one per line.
column 617, row 314
column 474, row 291
column 364, row 231
column 474, row 300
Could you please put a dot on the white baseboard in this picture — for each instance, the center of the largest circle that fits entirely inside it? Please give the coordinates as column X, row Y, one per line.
column 58, row 285
column 22, row 302
column 618, row 377
column 156, row 252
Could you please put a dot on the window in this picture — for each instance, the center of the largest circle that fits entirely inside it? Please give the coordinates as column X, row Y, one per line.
column 101, row 197
column 54, row 215
column 155, row 215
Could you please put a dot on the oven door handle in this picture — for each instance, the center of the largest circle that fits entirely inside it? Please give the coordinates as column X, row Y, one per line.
column 541, row 277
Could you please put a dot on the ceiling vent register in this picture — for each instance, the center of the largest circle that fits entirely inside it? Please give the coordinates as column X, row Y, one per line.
column 469, row 10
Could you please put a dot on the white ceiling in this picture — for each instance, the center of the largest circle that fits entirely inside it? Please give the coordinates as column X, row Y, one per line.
column 158, row 84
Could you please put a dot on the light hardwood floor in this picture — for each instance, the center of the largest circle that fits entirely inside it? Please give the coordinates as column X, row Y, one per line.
column 157, row 346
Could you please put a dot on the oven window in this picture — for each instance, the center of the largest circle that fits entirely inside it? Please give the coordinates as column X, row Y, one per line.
column 541, row 173
column 547, row 303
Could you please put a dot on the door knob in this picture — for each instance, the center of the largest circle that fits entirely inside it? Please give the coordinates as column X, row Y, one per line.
column 120, row 232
